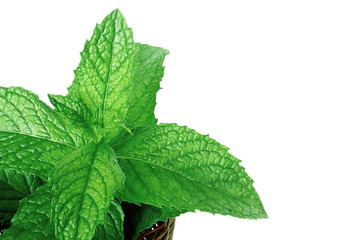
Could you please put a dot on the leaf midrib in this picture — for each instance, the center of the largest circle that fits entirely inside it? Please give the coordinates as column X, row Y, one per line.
column 171, row 170
column 107, row 78
column 85, row 187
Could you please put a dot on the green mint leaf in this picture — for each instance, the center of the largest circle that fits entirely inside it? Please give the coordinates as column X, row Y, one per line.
column 105, row 72
column 83, row 184
column 146, row 216
column 113, row 227
column 24, row 184
column 31, row 221
column 176, row 167
column 9, row 203
column 75, row 110
column 149, row 71
column 32, row 136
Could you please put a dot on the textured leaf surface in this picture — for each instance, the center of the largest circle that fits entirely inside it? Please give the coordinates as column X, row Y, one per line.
column 174, row 166
column 105, row 72
column 74, row 109
column 31, row 222
column 149, row 71
column 113, row 227
column 9, row 203
column 32, row 136
column 146, row 216
column 24, row 184
column 83, row 184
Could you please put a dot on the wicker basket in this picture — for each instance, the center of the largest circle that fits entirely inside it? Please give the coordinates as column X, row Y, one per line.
column 160, row 231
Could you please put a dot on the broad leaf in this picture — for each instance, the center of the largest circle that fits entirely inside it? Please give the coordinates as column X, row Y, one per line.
column 31, row 222
column 105, row 72
column 83, row 184
column 175, row 167
column 149, row 71
column 32, row 136
column 113, row 227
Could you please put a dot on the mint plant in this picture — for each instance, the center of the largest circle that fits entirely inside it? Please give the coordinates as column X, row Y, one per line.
column 97, row 165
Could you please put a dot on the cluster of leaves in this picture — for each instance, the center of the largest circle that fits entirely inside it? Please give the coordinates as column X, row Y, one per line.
column 70, row 172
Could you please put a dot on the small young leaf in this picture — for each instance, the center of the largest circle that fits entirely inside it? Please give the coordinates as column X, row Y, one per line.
column 75, row 110
column 83, row 184
column 105, row 72
column 175, row 167
column 32, row 137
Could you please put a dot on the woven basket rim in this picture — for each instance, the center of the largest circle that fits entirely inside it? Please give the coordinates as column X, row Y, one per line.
column 159, row 231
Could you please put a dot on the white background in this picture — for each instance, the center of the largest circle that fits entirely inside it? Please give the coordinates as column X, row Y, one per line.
column 276, row 81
